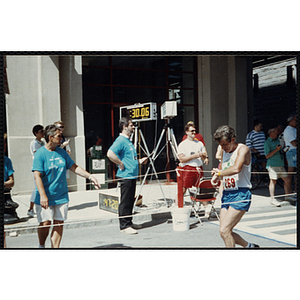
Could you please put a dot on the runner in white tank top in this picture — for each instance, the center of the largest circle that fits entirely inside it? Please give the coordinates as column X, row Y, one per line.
column 240, row 180
column 235, row 175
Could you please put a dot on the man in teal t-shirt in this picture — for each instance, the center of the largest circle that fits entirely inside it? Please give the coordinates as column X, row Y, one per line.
column 53, row 166
column 50, row 164
column 275, row 163
column 125, row 150
column 123, row 154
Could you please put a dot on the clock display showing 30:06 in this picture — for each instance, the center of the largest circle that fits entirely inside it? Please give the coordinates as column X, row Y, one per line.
column 140, row 112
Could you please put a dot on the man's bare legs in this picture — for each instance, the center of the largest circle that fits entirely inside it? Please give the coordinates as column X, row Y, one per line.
column 229, row 218
column 272, row 188
column 43, row 232
column 290, row 180
column 56, row 233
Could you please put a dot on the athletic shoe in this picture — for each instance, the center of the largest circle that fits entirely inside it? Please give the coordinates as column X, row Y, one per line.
column 31, row 213
column 291, row 198
column 129, row 230
column 136, row 226
column 275, row 202
column 254, row 246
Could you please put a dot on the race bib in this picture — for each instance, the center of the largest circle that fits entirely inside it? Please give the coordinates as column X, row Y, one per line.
column 231, row 182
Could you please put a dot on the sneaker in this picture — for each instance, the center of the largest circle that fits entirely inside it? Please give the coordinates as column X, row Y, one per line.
column 253, row 245
column 136, row 226
column 129, row 230
column 275, row 202
column 31, row 213
column 291, row 198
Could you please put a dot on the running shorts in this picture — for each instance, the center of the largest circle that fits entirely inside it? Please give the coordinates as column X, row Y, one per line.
column 231, row 197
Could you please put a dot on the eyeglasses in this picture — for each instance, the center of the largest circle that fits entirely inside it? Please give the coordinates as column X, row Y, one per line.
column 61, row 127
column 41, row 131
column 193, row 131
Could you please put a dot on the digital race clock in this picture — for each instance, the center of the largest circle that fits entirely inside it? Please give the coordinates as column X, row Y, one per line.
column 140, row 112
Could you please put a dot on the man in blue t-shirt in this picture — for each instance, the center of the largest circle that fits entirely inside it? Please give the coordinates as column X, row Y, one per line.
column 123, row 153
column 255, row 141
column 50, row 164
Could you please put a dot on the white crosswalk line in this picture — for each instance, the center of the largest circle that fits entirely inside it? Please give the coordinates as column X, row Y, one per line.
column 276, row 219
column 261, row 220
column 266, row 214
column 265, row 232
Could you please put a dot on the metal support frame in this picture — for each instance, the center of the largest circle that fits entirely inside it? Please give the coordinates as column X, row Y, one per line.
column 171, row 140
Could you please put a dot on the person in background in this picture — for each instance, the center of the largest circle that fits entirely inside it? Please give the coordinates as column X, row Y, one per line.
column 197, row 137
column 123, row 154
column 280, row 130
column 290, row 139
column 275, row 163
column 9, row 181
column 192, row 154
column 65, row 144
column 37, row 143
column 52, row 200
column 255, row 141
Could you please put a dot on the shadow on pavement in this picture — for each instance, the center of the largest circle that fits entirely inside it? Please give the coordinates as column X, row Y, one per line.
column 113, row 246
column 84, row 205
column 154, row 222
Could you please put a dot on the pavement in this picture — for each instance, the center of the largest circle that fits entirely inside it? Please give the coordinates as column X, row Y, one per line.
column 158, row 201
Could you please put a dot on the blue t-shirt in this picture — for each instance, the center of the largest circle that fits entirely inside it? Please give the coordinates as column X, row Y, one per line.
column 126, row 152
column 53, row 165
column 8, row 168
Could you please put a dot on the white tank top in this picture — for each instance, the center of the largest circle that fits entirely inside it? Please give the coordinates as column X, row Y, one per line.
column 240, row 180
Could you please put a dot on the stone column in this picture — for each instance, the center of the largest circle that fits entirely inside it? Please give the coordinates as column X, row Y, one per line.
column 70, row 71
column 223, row 98
column 34, row 99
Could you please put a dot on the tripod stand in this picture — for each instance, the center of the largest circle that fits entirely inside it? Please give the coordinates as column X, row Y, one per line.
column 137, row 130
column 170, row 140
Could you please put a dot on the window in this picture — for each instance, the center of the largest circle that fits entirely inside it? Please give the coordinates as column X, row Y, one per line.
column 113, row 81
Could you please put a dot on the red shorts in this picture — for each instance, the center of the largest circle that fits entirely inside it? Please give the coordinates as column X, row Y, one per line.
column 191, row 176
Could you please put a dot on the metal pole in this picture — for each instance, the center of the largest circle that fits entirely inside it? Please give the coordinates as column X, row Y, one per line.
column 179, row 188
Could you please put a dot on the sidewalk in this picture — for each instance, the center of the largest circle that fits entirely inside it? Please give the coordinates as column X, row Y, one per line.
column 84, row 208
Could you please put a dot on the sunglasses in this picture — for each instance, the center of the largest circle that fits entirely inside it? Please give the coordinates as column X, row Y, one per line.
column 193, row 131
column 61, row 127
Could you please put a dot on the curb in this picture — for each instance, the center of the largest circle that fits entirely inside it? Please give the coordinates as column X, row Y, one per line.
column 14, row 230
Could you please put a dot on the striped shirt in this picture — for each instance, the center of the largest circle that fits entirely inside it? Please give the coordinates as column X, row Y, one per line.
column 256, row 140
